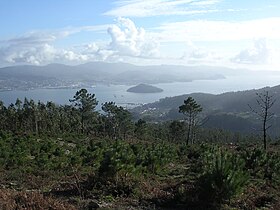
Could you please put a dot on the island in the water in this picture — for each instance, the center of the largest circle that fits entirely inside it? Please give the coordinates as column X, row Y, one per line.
column 143, row 88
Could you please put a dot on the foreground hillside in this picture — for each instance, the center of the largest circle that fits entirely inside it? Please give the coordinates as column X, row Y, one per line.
column 72, row 157
column 76, row 172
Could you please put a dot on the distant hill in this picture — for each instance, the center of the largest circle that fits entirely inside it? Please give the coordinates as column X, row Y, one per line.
column 57, row 75
column 227, row 111
column 143, row 88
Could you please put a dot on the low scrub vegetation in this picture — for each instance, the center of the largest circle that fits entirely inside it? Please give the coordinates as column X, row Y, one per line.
column 112, row 162
column 70, row 171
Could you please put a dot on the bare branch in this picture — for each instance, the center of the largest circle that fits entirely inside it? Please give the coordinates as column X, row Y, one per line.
column 265, row 102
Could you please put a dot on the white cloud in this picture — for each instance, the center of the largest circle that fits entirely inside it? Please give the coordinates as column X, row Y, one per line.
column 128, row 40
column 36, row 48
column 209, row 42
column 67, row 31
column 259, row 53
column 148, row 8
column 209, row 31
column 204, row 3
column 194, row 55
column 39, row 47
column 32, row 39
column 33, row 55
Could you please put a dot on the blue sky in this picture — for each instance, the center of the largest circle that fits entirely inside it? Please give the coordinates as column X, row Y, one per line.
column 235, row 33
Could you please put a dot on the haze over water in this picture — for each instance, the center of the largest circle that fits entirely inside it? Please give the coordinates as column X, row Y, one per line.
column 118, row 94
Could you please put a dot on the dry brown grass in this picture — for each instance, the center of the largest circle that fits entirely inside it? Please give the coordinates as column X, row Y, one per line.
column 23, row 200
column 258, row 197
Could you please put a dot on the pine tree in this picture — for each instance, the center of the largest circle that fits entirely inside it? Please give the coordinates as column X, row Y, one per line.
column 190, row 109
column 85, row 102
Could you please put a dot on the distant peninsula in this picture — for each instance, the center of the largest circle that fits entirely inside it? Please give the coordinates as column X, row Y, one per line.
column 143, row 88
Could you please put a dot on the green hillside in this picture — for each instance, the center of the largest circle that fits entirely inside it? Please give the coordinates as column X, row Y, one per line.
column 227, row 111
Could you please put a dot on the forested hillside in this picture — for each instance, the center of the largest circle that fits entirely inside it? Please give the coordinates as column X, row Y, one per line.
column 229, row 110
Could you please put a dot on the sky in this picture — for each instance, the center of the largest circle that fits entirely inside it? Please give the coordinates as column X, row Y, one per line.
column 232, row 33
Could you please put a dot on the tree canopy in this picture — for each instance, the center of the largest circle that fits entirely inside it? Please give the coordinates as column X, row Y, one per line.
column 190, row 109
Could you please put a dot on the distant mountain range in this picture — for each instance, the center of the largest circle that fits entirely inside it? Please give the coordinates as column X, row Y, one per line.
column 59, row 75
column 228, row 111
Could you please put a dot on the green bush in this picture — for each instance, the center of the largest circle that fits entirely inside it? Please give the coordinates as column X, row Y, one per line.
column 261, row 164
column 117, row 158
column 223, row 177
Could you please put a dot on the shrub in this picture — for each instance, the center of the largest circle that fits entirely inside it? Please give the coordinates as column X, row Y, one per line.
column 262, row 165
column 223, row 177
column 117, row 158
